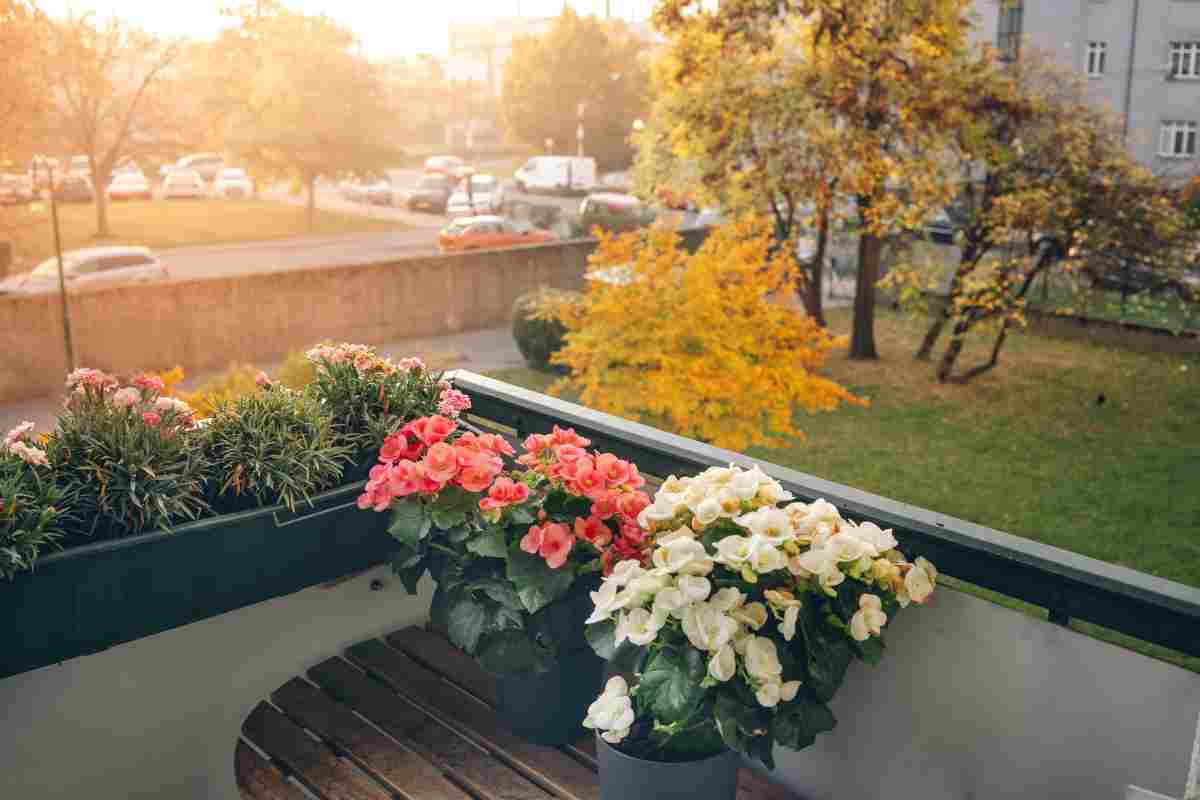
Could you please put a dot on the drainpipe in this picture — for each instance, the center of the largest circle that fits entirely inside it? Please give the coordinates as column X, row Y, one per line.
column 1133, row 31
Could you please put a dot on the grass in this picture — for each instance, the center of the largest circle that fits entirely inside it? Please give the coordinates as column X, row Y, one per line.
column 1029, row 448
column 1164, row 311
column 162, row 224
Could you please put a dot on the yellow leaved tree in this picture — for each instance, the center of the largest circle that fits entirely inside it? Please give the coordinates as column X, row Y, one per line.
column 696, row 342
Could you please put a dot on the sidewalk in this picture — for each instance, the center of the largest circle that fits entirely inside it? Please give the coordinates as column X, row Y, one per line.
column 479, row 351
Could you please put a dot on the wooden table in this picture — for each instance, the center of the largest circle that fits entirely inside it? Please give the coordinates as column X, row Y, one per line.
column 409, row 717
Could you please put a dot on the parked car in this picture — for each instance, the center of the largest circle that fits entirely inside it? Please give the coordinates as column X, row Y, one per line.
column 129, row 186
column 617, row 213
column 125, row 165
column 232, row 182
column 206, row 165
column 353, row 189
column 557, row 174
column 79, row 166
column 453, row 166
column 94, row 265
column 431, row 194
column 489, row 232
column 74, row 189
column 379, row 193
column 183, row 183
column 484, row 196
column 15, row 189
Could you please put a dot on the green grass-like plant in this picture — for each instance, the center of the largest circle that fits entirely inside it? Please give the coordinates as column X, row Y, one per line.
column 31, row 514
column 272, row 446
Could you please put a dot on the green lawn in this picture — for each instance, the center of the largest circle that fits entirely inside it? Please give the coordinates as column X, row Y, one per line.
column 1026, row 449
column 162, row 224
column 1162, row 311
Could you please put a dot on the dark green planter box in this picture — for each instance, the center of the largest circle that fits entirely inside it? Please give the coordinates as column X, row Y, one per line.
column 90, row 598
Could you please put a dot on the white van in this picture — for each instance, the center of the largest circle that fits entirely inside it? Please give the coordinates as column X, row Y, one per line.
column 557, row 174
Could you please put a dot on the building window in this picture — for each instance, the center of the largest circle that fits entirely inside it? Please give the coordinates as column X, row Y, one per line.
column 1177, row 139
column 1097, row 55
column 1185, row 59
column 1008, row 30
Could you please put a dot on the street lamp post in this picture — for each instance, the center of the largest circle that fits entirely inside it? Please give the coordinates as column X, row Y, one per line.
column 62, row 284
column 579, row 130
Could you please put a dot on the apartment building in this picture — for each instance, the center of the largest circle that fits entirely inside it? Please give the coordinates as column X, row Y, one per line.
column 1141, row 58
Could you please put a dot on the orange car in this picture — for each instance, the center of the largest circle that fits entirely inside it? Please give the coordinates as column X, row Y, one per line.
column 489, row 233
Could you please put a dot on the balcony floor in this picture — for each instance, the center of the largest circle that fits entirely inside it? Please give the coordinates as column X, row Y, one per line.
column 408, row 716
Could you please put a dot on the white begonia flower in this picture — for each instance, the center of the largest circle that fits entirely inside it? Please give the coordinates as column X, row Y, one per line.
column 682, row 556
column 669, row 602
column 919, row 580
column 731, row 504
column 607, row 600
column 723, row 665
column 695, row 588
column 762, row 659
column 718, row 476
column 642, row 588
column 815, row 522
column 612, row 712
column 708, row 510
column 788, row 626
column 869, row 620
column 682, row 532
column 768, row 693
column 624, row 572
column 879, row 540
column 741, row 640
column 846, row 547
column 769, row 523
column 733, row 551
column 752, row 615
column 788, row 691
column 706, row 628
column 819, row 563
column 656, row 513
column 772, row 491
column 641, row 627
column 745, row 485
column 765, row 556
column 727, row 599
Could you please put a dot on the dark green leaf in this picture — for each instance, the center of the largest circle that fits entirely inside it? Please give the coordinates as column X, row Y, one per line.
column 602, row 637
column 458, row 534
column 537, row 584
column 520, row 515
column 563, row 504
column 411, row 576
column 670, row 685
column 445, row 520
column 489, row 544
column 455, row 499
column 512, row 651
column 829, row 652
column 501, row 591
column 870, row 651
column 465, row 621
column 410, row 523
column 797, row 723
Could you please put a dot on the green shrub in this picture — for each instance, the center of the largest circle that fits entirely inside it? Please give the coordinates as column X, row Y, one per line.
column 297, row 371
column 272, row 446
column 128, row 459
column 236, row 381
column 536, row 326
column 31, row 508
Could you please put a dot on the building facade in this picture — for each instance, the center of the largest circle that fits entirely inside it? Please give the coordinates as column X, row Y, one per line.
column 1141, row 58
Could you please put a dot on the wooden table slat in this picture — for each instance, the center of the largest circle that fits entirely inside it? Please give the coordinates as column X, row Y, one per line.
column 463, row 760
column 436, row 652
column 258, row 779
column 399, row 768
column 314, row 764
column 547, row 766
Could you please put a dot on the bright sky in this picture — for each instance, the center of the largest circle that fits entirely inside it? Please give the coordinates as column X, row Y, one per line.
column 387, row 29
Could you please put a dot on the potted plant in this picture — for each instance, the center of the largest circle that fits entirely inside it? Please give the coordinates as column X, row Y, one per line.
column 514, row 553
column 737, row 632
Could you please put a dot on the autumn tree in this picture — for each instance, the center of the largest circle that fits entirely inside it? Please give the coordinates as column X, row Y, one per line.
column 711, row 355
column 1047, row 182
column 876, row 82
column 104, row 79
column 580, row 61
column 302, row 102
column 23, row 94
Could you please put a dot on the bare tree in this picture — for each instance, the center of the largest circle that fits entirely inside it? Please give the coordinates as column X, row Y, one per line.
column 102, row 76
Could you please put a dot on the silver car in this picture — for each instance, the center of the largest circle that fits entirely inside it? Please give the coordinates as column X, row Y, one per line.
column 94, row 266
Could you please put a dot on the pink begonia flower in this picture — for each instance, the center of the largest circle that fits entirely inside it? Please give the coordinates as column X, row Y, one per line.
column 18, row 434
column 441, row 462
column 535, row 443
column 152, row 419
column 127, row 397
column 590, row 483
column 569, row 453
column 605, row 505
column 405, row 478
column 431, row 430
column 556, row 544
column 531, row 542
column 635, row 479
column 593, row 531
column 614, row 470
column 149, row 383
column 496, row 443
column 504, row 492
column 395, row 447
column 568, row 436
column 262, row 379
column 479, row 471
column 630, row 504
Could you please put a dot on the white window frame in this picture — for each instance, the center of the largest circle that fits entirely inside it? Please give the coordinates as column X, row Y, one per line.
column 1097, row 58
column 1177, row 138
column 1185, row 60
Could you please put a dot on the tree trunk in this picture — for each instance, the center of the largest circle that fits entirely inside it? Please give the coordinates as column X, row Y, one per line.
column 310, row 183
column 966, row 264
column 101, row 213
column 862, row 337
column 991, row 363
column 946, row 368
column 933, row 334
column 812, row 296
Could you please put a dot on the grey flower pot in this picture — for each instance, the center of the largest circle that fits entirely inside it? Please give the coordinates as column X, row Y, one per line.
column 548, row 707
column 623, row 777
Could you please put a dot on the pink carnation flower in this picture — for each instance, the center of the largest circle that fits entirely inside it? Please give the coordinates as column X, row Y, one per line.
column 453, row 402
column 127, row 397
column 149, row 383
column 18, row 434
